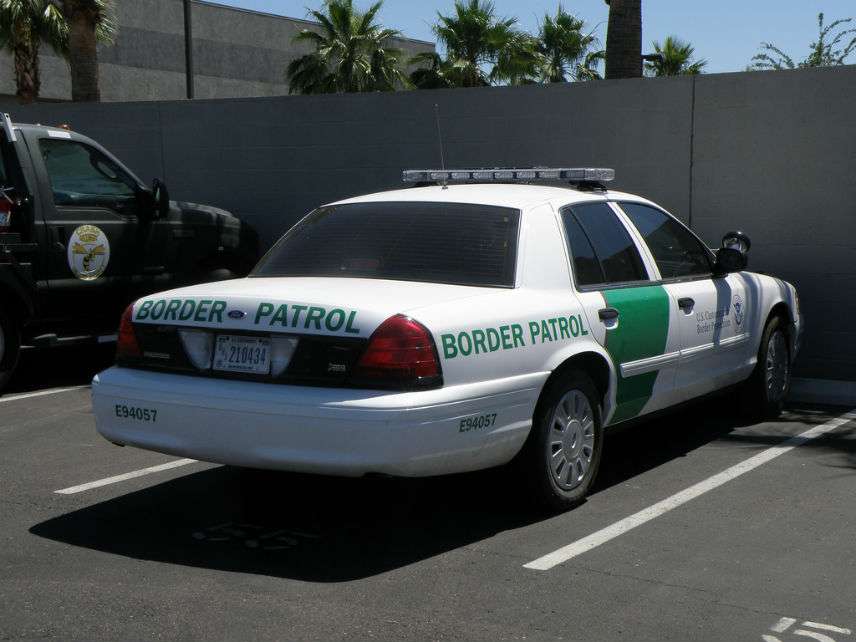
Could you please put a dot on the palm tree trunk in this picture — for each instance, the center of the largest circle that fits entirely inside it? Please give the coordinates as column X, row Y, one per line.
column 624, row 39
column 25, row 50
column 82, row 51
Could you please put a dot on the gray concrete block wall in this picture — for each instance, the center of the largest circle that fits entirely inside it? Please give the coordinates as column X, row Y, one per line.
column 772, row 154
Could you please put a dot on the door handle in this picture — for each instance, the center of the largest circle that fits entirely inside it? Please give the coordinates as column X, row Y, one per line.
column 686, row 303
column 607, row 314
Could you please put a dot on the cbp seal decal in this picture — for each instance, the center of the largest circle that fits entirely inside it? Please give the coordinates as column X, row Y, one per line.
column 739, row 311
column 88, row 252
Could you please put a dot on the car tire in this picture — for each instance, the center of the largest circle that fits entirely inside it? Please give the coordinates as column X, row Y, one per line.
column 762, row 396
column 10, row 347
column 562, row 455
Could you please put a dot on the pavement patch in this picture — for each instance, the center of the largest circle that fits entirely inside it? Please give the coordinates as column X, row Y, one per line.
column 546, row 562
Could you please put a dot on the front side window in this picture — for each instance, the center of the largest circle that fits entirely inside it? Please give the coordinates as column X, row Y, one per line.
column 406, row 241
column 81, row 175
column 678, row 253
column 603, row 251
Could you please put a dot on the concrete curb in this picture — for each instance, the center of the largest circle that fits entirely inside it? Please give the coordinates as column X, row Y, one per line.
column 824, row 391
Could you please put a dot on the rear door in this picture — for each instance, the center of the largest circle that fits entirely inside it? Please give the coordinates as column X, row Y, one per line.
column 631, row 315
column 711, row 311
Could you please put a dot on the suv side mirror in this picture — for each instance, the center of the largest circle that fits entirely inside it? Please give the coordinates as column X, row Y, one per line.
column 733, row 255
column 160, row 195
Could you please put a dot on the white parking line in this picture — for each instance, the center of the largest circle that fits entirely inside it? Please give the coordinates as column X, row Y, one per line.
column 602, row 536
column 120, row 478
column 40, row 393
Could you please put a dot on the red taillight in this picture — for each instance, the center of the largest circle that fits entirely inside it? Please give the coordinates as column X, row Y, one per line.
column 400, row 353
column 127, row 344
column 5, row 214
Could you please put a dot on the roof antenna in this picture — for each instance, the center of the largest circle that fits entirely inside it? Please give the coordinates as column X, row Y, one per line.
column 440, row 138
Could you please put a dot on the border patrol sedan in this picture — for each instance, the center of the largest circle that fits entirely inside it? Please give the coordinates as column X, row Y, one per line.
column 477, row 319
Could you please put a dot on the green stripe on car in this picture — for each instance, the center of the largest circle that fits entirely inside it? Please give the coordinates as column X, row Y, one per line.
column 643, row 327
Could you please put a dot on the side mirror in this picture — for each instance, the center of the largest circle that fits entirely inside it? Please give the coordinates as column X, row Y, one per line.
column 160, row 195
column 733, row 255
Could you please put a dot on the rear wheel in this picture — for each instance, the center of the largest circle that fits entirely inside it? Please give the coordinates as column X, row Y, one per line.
column 10, row 347
column 765, row 391
column 562, row 456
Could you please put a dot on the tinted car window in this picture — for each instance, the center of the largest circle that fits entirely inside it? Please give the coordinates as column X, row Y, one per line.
column 586, row 264
column 676, row 250
column 409, row 241
column 618, row 257
column 81, row 175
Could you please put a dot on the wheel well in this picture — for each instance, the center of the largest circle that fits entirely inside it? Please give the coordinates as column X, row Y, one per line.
column 781, row 310
column 593, row 364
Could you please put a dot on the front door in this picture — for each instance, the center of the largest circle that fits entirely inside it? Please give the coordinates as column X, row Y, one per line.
column 90, row 211
column 711, row 311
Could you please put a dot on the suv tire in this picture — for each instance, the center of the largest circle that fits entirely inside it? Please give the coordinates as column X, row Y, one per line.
column 10, row 346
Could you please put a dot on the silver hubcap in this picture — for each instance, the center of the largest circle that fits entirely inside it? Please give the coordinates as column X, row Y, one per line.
column 570, row 446
column 777, row 367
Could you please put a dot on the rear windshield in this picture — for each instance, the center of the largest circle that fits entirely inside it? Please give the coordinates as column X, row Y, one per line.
column 430, row 242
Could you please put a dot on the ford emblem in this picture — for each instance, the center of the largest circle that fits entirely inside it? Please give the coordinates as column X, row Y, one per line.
column 237, row 314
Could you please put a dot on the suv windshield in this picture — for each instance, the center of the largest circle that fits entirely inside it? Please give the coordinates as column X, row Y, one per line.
column 404, row 241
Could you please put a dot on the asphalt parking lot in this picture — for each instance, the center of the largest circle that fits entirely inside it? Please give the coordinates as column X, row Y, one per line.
column 202, row 551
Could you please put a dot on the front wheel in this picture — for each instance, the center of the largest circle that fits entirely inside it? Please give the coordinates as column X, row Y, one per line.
column 562, row 455
column 765, row 391
column 10, row 347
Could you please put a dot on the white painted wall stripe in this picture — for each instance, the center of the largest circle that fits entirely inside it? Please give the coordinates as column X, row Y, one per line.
column 40, row 393
column 604, row 535
column 124, row 477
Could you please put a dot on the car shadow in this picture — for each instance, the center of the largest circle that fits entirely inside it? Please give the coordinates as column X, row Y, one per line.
column 325, row 529
column 43, row 368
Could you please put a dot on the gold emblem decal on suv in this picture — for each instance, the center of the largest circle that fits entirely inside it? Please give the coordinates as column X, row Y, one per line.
column 88, row 252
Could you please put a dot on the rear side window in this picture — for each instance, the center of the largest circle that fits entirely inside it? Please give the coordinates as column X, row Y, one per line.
column 603, row 251
column 678, row 253
column 408, row 241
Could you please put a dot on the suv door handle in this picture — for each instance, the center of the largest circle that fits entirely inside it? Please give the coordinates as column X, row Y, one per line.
column 686, row 303
column 607, row 314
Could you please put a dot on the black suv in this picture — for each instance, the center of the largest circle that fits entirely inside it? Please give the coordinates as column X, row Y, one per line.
column 81, row 237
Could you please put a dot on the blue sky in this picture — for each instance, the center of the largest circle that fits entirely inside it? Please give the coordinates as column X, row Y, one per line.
column 725, row 32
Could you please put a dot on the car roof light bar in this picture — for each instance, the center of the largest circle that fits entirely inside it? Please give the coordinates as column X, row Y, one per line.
column 511, row 175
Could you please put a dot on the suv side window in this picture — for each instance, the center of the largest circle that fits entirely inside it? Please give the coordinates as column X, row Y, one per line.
column 603, row 252
column 678, row 253
column 81, row 175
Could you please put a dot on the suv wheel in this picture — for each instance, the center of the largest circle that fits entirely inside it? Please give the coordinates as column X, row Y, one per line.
column 562, row 455
column 765, row 391
column 10, row 347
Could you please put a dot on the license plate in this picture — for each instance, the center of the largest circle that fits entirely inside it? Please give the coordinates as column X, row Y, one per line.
column 249, row 355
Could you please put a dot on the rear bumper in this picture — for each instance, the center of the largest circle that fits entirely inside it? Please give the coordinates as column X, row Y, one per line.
column 334, row 431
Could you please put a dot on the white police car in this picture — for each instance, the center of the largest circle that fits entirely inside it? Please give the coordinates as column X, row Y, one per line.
column 491, row 316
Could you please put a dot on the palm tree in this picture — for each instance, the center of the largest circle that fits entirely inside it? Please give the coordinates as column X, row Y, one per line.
column 674, row 58
column 24, row 24
column 624, row 39
column 89, row 22
column 481, row 49
column 588, row 70
column 432, row 72
column 828, row 51
column 565, row 49
column 352, row 53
